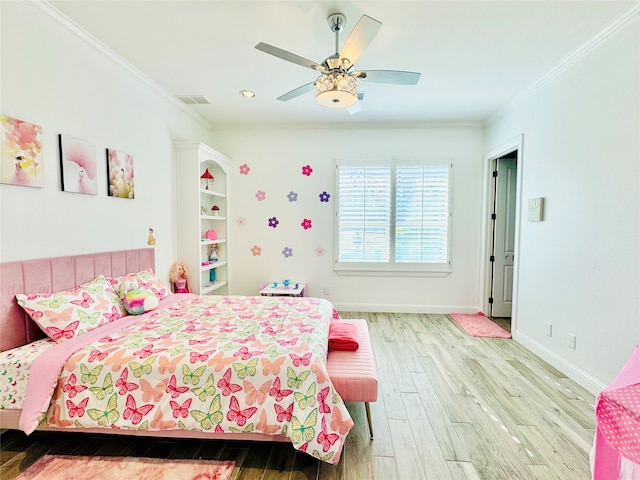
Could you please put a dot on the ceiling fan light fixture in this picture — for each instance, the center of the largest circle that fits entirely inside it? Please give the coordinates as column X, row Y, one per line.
column 336, row 90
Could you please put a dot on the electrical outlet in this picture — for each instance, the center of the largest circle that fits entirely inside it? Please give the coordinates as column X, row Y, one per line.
column 547, row 329
column 327, row 291
column 572, row 341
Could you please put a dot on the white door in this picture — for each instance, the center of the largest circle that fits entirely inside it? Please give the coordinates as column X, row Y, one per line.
column 504, row 237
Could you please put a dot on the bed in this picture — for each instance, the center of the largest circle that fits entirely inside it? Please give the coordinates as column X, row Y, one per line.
column 219, row 367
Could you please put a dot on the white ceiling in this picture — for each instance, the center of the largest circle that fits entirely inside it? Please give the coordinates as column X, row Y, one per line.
column 474, row 56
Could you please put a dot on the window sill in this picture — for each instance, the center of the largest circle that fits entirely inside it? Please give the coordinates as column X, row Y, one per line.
column 380, row 272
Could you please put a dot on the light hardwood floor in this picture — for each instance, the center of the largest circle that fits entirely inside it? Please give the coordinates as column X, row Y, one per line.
column 451, row 407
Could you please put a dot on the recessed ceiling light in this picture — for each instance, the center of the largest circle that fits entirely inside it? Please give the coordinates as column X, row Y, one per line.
column 247, row 93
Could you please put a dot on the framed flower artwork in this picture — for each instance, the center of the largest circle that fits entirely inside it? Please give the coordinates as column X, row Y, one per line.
column 21, row 158
column 120, row 174
column 78, row 170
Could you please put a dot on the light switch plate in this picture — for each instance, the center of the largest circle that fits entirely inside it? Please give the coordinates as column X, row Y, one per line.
column 535, row 209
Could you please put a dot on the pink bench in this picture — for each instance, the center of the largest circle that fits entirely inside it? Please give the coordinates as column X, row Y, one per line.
column 353, row 374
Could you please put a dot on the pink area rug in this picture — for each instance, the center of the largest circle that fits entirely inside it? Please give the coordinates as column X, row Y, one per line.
column 477, row 325
column 69, row 467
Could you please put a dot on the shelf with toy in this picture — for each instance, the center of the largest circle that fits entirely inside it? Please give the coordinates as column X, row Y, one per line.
column 210, row 266
column 212, row 193
column 210, row 287
column 212, row 217
column 204, row 241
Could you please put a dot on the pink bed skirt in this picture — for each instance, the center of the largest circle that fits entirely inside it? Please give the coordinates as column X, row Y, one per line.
column 9, row 420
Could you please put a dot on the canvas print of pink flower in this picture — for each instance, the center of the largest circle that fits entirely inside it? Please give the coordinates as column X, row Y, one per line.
column 21, row 158
column 120, row 174
column 78, row 165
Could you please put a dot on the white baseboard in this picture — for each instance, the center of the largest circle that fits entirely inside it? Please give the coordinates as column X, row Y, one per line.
column 393, row 308
column 570, row 370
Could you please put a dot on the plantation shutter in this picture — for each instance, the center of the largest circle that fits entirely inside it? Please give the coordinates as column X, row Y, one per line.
column 364, row 214
column 422, row 214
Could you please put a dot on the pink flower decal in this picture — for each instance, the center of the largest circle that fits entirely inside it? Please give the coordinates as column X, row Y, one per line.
column 306, row 224
column 260, row 195
column 241, row 221
column 256, row 251
column 244, row 169
column 320, row 252
column 306, row 170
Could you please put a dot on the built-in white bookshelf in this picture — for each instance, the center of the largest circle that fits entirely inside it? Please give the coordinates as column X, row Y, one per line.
column 202, row 207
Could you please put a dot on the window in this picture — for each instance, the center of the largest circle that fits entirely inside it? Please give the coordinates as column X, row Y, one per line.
column 393, row 216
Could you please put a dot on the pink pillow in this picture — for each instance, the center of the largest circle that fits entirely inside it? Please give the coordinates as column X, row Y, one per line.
column 145, row 279
column 67, row 314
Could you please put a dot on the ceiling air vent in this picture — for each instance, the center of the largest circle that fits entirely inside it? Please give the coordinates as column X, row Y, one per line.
column 194, row 99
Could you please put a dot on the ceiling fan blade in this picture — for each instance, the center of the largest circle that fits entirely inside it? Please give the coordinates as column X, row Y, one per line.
column 288, row 56
column 360, row 38
column 396, row 77
column 296, row 92
column 355, row 108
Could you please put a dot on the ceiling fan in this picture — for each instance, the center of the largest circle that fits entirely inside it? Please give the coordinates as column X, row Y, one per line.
column 336, row 87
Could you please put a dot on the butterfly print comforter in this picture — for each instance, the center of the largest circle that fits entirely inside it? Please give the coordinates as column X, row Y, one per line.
column 208, row 363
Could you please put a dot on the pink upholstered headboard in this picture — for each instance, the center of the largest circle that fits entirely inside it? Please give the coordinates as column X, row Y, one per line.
column 50, row 275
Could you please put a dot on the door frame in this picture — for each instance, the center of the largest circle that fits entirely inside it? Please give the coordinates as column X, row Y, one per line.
column 486, row 240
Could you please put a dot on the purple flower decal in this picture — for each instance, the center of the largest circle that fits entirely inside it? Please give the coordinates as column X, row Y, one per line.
column 306, row 224
column 287, row 252
column 292, row 196
column 244, row 169
column 260, row 195
column 320, row 252
column 306, row 170
column 256, row 251
column 273, row 222
column 324, row 197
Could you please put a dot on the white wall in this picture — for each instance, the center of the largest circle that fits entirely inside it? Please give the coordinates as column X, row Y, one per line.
column 276, row 157
column 580, row 267
column 53, row 78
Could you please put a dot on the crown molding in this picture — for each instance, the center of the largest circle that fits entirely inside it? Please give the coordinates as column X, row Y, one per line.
column 405, row 125
column 76, row 29
column 567, row 62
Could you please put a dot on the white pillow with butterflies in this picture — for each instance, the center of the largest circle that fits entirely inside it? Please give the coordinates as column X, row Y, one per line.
column 145, row 279
column 67, row 314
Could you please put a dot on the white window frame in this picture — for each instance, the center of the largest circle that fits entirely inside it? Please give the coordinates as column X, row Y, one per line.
column 392, row 268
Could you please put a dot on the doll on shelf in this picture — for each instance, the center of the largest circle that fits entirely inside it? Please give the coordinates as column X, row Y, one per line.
column 212, row 252
column 179, row 277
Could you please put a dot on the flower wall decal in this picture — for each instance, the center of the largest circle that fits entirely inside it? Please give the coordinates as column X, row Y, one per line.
column 320, row 252
column 244, row 169
column 306, row 170
column 306, row 224
column 256, row 251
column 292, row 196
column 324, row 197
column 260, row 195
column 273, row 222
column 241, row 221
column 287, row 252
